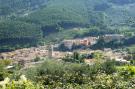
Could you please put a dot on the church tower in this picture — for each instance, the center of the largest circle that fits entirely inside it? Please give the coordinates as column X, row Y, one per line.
column 50, row 51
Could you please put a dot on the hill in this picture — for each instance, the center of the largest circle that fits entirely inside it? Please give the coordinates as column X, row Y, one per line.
column 59, row 17
column 16, row 34
column 11, row 7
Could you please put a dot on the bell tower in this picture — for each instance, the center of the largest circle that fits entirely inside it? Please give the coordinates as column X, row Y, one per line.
column 50, row 51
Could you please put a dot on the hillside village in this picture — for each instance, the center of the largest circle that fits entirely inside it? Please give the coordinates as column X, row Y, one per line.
column 29, row 54
column 67, row 44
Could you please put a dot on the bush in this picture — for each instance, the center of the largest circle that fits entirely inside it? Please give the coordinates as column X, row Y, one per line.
column 127, row 71
column 108, row 67
column 75, row 58
column 54, row 74
column 5, row 62
column 23, row 83
column 37, row 59
column 3, row 71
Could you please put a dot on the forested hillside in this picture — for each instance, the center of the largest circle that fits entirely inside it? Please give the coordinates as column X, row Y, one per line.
column 8, row 7
column 122, row 2
column 16, row 34
column 55, row 17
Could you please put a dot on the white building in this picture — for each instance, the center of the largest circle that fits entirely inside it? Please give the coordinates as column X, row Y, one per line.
column 111, row 37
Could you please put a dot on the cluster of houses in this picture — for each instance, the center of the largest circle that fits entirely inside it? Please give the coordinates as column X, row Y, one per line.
column 107, row 53
column 29, row 54
column 88, row 41
column 111, row 37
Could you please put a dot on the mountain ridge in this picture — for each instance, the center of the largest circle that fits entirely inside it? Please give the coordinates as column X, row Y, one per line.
column 58, row 16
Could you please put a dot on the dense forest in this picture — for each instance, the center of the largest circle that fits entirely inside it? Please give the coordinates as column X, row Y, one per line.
column 8, row 7
column 49, row 18
column 15, row 34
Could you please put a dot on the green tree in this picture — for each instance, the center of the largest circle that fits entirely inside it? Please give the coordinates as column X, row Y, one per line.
column 75, row 58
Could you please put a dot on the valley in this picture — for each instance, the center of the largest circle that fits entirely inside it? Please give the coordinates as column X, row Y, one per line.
column 68, row 47
column 67, row 44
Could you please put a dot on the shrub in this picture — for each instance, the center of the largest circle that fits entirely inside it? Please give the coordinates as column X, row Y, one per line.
column 127, row 71
column 23, row 83
column 37, row 59
column 108, row 67
column 75, row 58
column 3, row 71
column 54, row 74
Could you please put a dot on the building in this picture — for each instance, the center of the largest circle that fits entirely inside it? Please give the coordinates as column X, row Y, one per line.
column 68, row 43
column 111, row 37
column 88, row 41
column 91, row 40
column 60, row 55
column 50, row 51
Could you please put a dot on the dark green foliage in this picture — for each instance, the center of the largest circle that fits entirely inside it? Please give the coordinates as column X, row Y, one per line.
column 19, row 7
column 101, row 44
column 122, row 2
column 37, row 59
column 132, row 61
column 17, row 29
column 109, row 67
column 75, row 58
column 5, row 10
column 57, row 19
column 3, row 71
column 16, row 34
column 101, row 7
column 127, row 71
column 62, row 47
column 55, row 15
column 130, row 41
column 54, row 74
